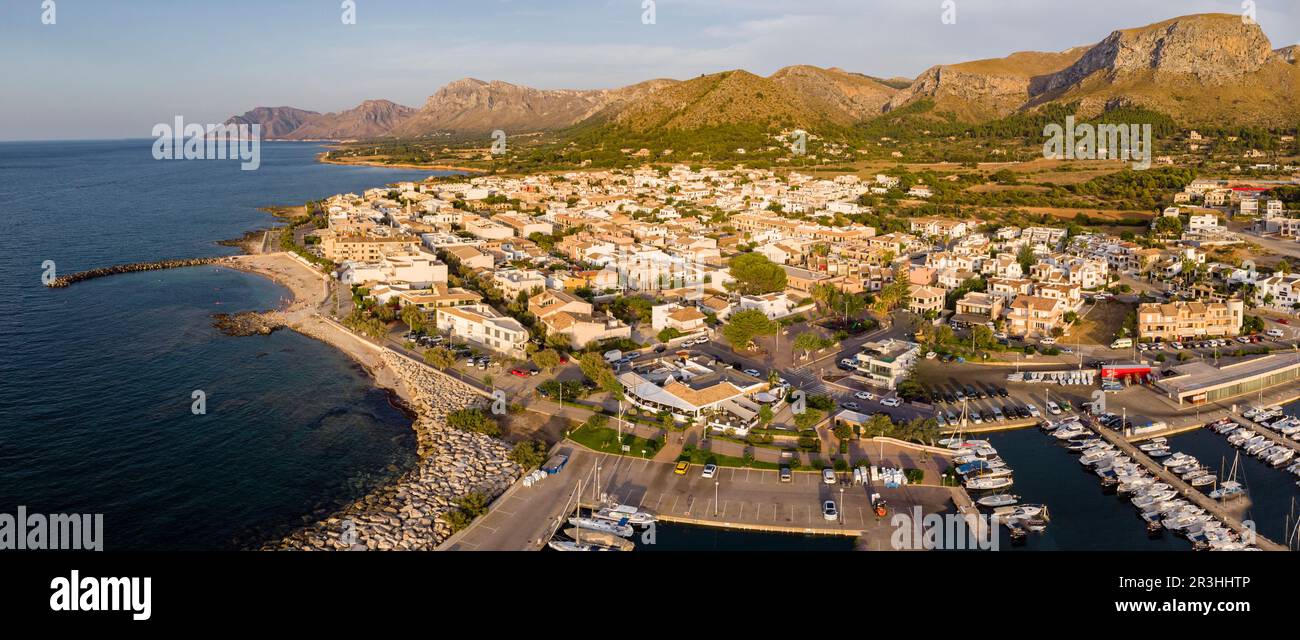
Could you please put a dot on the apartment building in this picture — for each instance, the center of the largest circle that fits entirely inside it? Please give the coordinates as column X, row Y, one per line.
column 1034, row 316
column 925, row 299
column 1175, row 321
column 481, row 326
column 564, row 314
column 365, row 249
column 1279, row 292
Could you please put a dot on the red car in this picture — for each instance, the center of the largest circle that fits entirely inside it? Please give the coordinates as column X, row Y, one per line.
column 1284, row 321
column 519, row 372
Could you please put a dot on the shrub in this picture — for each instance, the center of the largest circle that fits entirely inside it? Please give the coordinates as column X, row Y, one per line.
column 473, row 420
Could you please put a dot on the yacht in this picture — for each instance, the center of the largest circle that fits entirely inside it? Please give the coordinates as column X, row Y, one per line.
column 625, row 514
column 1000, row 500
column 1280, row 458
column 984, row 483
column 1229, row 489
column 1256, row 448
column 604, row 526
column 1203, row 480
column 569, row 545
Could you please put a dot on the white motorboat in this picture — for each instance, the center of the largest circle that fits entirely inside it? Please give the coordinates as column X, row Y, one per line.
column 1071, row 431
column 604, row 526
column 986, row 483
column 1000, row 500
column 626, row 514
column 1203, row 480
column 569, row 545
column 1160, row 453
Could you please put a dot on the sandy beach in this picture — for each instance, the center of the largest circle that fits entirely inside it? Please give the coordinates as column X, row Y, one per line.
column 306, row 312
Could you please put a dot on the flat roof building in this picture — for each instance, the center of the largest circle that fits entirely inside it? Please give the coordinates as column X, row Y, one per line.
column 1201, row 382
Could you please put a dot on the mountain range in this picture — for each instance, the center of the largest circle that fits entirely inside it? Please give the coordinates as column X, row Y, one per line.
column 1198, row 69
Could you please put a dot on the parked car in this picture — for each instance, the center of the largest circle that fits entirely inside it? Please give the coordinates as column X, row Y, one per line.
column 1053, row 408
column 829, row 511
column 890, row 402
column 828, row 476
column 753, row 372
column 709, row 470
column 1033, row 411
column 863, row 395
column 519, row 373
column 681, row 468
column 852, row 406
column 786, row 476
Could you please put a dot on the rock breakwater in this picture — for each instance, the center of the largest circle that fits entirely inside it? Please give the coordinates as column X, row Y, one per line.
column 63, row 281
column 408, row 514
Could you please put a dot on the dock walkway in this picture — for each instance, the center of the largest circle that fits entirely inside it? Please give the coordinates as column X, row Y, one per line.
column 1189, row 492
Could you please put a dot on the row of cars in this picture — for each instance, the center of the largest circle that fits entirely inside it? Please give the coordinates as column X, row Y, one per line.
column 1214, row 343
column 995, row 414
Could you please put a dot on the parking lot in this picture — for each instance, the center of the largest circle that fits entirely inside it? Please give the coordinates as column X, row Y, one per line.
column 757, row 499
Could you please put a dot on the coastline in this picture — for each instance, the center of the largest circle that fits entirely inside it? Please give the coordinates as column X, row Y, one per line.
column 405, row 513
column 323, row 158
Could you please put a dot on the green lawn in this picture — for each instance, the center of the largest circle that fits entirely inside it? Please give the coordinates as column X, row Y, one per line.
column 698, row 456
column 605, row 440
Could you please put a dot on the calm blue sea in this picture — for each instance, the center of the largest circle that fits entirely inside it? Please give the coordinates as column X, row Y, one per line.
column 97, row 379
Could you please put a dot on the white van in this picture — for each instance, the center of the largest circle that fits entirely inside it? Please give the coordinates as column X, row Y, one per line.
column 1121, row 343
column 613, row 356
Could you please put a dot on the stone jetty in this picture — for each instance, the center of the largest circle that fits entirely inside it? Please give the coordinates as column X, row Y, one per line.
column 407, row 514
column 63, row 281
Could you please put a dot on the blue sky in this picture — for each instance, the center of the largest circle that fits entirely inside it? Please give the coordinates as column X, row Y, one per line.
column 113, row 68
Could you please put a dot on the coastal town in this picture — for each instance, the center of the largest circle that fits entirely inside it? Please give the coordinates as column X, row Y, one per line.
column 655, row 330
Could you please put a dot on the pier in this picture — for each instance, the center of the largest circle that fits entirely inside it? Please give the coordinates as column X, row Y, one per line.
column 1272, row 436
column 1188, row 491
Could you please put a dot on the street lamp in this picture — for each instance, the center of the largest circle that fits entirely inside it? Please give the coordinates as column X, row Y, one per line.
column 715, row 498
column 841, row 509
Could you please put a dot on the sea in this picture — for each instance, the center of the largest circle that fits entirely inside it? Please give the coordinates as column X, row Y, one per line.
column 100, row 408
column 1085, row 518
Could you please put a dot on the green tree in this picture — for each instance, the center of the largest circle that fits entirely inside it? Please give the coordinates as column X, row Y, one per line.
column 529, row 454
column 1168, row 226
column 1026, row 257
column 598, row 371
column 743, row 326
column 808, row 342
column 755, row 274
column 547, row 359
column 414, row 318
column 440, row 358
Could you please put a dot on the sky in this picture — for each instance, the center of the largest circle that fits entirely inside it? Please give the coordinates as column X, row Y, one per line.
column 114, row 68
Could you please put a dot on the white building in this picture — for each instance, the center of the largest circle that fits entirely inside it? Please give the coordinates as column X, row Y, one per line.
column 481, row 326
column 419, row 270
column 887, row 363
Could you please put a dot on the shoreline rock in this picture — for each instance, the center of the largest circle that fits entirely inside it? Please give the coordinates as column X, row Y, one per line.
column 249, row 323
column 407, row 514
